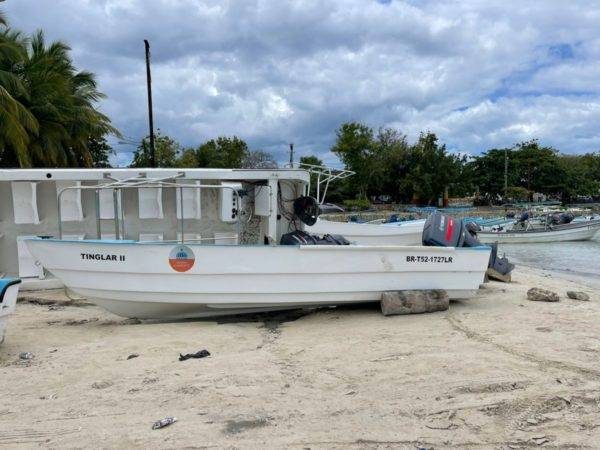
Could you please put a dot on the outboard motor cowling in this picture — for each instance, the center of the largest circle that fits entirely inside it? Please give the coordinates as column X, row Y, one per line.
column 566, row 218
column 443, row 231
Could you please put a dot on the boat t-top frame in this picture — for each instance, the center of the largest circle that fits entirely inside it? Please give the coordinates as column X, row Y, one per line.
column 325, row 175
column 141, row 182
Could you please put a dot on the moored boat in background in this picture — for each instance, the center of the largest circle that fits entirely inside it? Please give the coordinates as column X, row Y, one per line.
column 574, row 231
column 389, row 233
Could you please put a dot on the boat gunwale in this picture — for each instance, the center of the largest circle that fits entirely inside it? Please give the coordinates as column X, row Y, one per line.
column 353, row 247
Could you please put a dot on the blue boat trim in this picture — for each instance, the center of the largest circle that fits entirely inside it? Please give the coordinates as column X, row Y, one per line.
column 5, row 283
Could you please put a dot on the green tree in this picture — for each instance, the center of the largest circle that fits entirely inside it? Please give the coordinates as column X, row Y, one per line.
column 435, row 170
column 530, row 166
column 188, row 158
column 355, row 147
column 223, row 152
column 538, row 168
column 488, row 172
column 166, row 150
column 100, row 151
column 47, row 107
column 582, row 175
column 17, row 123
column 395, row 159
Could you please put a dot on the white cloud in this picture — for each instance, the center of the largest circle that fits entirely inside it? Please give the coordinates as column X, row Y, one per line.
column 480, row 74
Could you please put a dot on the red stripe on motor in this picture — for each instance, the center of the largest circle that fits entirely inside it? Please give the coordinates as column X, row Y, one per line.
column 449, row 229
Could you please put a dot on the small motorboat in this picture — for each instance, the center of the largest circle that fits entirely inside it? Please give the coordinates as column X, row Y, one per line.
column 9, row 288
column 387, row 233
column 524, row 234
column 276, row 265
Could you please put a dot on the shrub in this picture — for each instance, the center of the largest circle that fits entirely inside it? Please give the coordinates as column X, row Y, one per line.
column 359, row 204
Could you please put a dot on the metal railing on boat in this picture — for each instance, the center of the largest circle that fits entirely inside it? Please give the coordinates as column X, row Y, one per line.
column 142, row 182
column 325, row 175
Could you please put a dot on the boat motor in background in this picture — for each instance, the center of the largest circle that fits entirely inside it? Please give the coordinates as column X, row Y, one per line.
column 560, row 219
column 524, row 217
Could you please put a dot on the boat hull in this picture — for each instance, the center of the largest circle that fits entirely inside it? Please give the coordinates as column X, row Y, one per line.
column 396, row 233
column 8, row 302
column 581, row 231
column 138, row 280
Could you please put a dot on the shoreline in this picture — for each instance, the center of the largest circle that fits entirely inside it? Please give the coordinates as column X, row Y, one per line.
column 492, row 371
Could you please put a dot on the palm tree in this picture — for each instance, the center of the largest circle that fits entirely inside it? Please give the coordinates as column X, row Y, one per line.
column 17, row 124
column 47, row 107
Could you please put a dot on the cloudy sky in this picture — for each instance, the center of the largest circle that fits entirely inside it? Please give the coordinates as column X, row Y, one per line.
column 479, row 73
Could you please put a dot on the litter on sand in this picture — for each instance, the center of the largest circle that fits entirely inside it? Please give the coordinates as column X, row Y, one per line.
column 200, row 354
column 163, row 422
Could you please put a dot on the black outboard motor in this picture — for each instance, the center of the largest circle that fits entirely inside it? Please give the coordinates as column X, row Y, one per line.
column 445, row 231
column 566, row 218
column 560, row 219
column 441, row 230
column 299, row 237
column 472, row 227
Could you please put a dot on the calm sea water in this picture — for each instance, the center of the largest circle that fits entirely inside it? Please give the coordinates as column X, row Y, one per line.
column 581, row 259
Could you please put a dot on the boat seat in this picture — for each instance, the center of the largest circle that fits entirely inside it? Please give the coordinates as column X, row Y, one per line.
column 5, row 283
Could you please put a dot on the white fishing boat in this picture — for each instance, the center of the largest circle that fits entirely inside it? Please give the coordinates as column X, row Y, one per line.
column 142, row 280
column 9, row 288
column 196, row 276
column 395, row 233
column 575, row 231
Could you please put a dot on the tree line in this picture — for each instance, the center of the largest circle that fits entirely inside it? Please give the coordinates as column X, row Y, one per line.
column 387, row 165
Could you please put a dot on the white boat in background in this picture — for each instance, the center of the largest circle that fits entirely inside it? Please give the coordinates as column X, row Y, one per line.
column 393, row 233
column 9, row 288
column 138, row 280
column 191, row 278
column 575, row 231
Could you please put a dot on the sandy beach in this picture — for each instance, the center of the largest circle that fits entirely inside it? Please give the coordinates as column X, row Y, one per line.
column 496, row 371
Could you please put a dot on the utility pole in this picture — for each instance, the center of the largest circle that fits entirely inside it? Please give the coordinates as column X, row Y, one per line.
column 150, row 118
column 291, row 154
column 505, row 173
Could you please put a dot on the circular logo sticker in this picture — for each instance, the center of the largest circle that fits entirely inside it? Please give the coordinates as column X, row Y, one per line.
column 181, row 258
